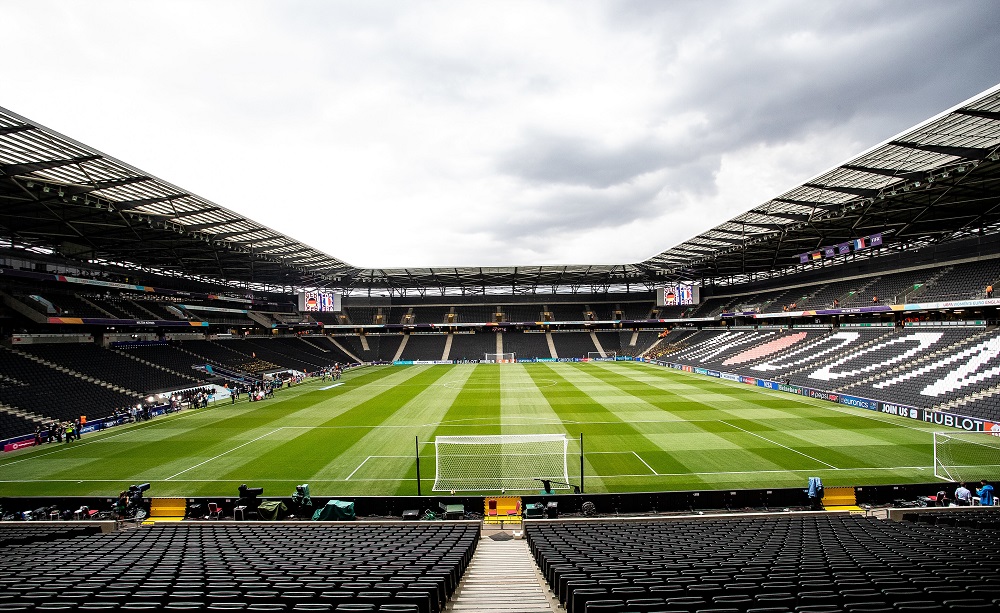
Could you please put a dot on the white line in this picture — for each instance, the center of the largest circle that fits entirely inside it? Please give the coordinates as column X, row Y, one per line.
column 224, row 453
column 102, row 435
column 840, row 471
column 778, row 444
column 330, row 387
column 358, row 468
column 647, row 465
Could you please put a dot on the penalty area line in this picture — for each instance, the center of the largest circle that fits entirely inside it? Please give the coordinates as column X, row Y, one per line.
column 223, row 453
column 779, row 444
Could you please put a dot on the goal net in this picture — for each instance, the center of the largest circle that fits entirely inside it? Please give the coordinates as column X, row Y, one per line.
column 499, row 462
column 967, row 456
column 596, row 355
column 500, row 358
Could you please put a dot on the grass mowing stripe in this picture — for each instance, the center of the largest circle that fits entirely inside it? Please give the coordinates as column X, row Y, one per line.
column 309, row 458
column 623, row 436
column 769, row 454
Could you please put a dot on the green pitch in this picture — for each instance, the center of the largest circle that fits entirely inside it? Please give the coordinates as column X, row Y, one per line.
column 645, row 429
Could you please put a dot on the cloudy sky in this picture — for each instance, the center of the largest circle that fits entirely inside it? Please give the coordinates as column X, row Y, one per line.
column 491, row 133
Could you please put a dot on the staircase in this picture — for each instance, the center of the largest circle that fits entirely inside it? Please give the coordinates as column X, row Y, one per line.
column 502, row 578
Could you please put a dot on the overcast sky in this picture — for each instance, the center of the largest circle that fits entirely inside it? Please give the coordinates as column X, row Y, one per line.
column 410, row 133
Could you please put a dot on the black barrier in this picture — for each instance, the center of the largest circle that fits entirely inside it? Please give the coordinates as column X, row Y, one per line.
column 612, row 504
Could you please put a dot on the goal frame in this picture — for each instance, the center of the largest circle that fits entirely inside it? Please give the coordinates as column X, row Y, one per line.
column 941, row 468
column 512, row 471
column 500, row 358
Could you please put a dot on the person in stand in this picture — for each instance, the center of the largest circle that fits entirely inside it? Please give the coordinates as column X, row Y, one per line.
column 985, row 493
column 963, row 497
column 875, row 299
column 989, row 290
column 836, row 303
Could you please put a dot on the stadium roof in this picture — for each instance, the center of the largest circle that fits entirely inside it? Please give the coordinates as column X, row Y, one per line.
column 935, row 182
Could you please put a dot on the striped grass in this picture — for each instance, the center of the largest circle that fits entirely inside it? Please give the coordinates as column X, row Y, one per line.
column 644, row 428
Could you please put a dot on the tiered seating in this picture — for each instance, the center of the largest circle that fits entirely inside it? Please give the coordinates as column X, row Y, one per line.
column 773, row 564
column 573, row 344
column 401, row 568
column 525, row 345
column 424, row 347
column 105, row 365
column 474, row 314
column 798, row 362
column 116, row 307
column 225, row 353
column 168, row 356
column 964, row 281
column 522, row 312
column 353, row 344
column 887, row 287
column 24, row 534
column 716, row 345
column 638, row 310
column 383, row 347
column 55, row 394
column 430, row 314
column 283, row 354
column 900, row 348
column 969, row 366
column 12, row 425
column 985, row 518
column 159, row 308
column 472, row 346
column 566, row 312
column 612, row 341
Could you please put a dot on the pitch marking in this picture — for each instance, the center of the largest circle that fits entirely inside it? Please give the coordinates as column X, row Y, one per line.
column 779, row 444
column 224, row 453
column 330, row 387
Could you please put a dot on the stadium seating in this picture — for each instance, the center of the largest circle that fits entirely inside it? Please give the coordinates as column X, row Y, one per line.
column 472, row 346
column 525, row 345
column 424, row 347
column 53, row 394
column 573, row 344
column 773, row 564
column 193, row 566
column 107, row 365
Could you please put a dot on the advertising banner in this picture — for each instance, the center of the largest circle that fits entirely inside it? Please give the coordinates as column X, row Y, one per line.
column 713, row 373
column 861, row 403
column 728, row 376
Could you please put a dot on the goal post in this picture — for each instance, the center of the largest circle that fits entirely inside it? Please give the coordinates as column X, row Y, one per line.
column 967, row 456
column 608, row 356
column 500, row 358
column 501, row 462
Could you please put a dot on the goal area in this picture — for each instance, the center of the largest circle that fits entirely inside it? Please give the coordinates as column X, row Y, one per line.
column 500, row 358
column 967, row 456
column 502, row 462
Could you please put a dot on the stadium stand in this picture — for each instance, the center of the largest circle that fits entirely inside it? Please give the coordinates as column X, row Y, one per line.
column 169, row 356
column 115, row 368
column 764, row 564
column 412, row 568
column 525, row 345
column 53, row 394
column 573, row 344
column 472, row 346
column 424, row 347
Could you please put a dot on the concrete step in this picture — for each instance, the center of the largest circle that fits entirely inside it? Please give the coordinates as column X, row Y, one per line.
column 502, row 578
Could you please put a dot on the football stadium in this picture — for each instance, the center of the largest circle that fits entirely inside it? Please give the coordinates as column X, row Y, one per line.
column 796, row 410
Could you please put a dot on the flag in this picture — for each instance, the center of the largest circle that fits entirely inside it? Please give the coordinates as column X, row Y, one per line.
column 859, row 243
column 875, row 240
column 803, row 258
column 816, row 255
column 844, row 248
